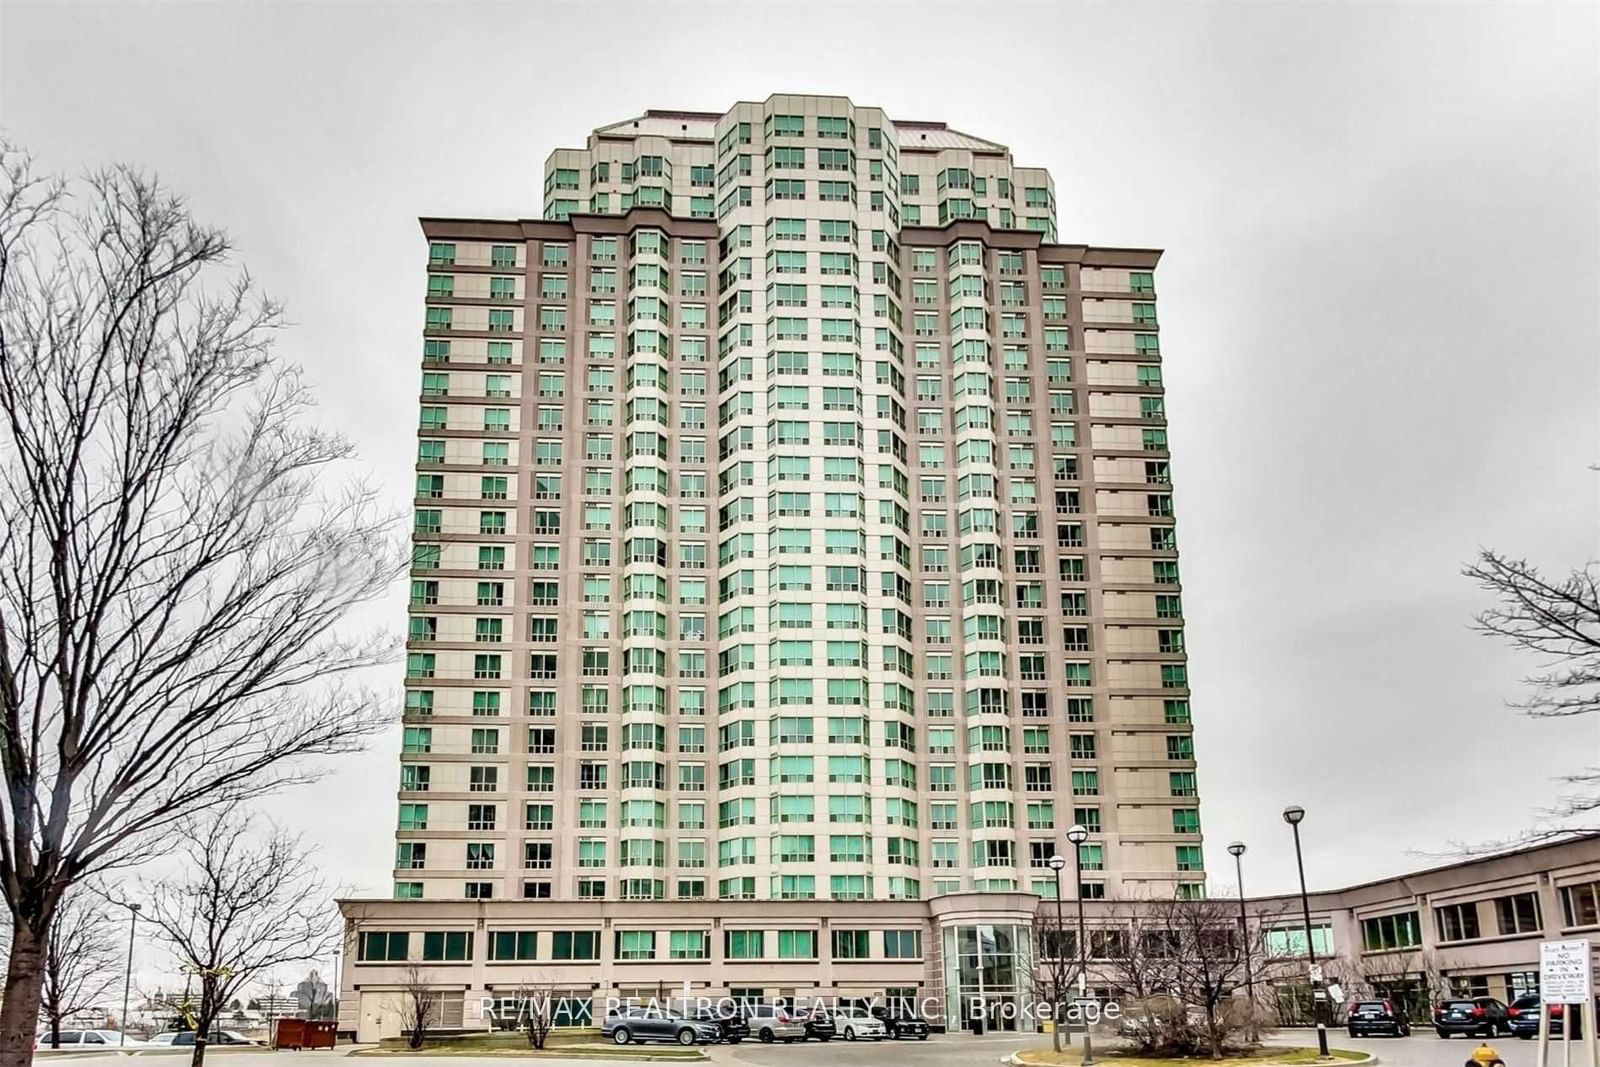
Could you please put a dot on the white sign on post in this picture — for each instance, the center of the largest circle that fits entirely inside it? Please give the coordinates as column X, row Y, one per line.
column 1565, row 972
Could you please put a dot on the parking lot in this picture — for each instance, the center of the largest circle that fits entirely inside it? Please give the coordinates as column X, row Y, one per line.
column 1424, row 1049
column 962, row 1050
column 1419, row 1050
column 940, row 1050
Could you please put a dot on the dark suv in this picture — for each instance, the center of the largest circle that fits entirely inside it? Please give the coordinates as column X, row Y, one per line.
column 1470, row 1015
column 1522, row 1018
column 1376, row 1017
column 730, row 1024
column 901, row 1023
column 819, row 1024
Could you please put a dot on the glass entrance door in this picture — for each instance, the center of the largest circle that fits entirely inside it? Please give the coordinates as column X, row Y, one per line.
column 987, row 975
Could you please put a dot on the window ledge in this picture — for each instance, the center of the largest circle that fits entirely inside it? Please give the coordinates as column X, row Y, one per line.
column 1490, row 939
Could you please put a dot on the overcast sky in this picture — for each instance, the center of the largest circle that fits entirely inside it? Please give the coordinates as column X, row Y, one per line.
column 1378, row 303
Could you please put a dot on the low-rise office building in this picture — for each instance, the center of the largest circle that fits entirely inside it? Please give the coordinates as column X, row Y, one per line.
column 1469, row 927
column 583, row 955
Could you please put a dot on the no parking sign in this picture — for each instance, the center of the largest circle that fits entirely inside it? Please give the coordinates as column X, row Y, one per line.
column 1566, row 976
column 1565, row 973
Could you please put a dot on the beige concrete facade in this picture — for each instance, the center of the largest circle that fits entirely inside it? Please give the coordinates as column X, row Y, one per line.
column 757, row 950
column 922, row 950
column 794, row 554
column 792, row 524
column 1471, row 927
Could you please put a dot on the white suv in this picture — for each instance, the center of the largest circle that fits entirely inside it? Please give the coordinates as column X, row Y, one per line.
column 768, row 1023
column 853, row 1023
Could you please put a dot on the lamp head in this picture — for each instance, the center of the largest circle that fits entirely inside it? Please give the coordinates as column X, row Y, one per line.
column 1236, row 849
column 1056, row 862
column 1293, row 814
column 1077, row 833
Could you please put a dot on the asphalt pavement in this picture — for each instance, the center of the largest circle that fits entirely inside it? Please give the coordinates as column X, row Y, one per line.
column 941, row 1050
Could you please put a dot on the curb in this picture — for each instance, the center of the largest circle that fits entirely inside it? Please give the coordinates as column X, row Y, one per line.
column 603, row 1054
column 1369, row 1059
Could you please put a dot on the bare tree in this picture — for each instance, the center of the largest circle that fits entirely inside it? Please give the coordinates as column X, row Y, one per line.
column 1180, row 966
column 174, row 575
column 1209, row 961
column 1131, row 954
column 1558, row 620
column 82, row 960
column 421, row 1007
column 1268, row 968
column 536, row 1011
column 240, row 907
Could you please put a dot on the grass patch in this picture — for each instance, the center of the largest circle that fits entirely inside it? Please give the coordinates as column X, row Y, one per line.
column 1309, row 1055
column 1269, row 1054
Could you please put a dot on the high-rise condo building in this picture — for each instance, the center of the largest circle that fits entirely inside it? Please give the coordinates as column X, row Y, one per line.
column 794, row 557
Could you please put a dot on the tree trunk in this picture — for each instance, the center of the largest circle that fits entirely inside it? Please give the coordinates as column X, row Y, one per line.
column 50, row 1000
column 19, row 1013
column 204, row 1021
column 50, row 990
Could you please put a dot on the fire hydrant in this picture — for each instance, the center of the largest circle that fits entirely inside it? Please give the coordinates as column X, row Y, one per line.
column 1485, row 1056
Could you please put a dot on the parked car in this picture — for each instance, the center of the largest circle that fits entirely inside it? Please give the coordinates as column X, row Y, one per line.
column 730, row 1025
column 1376, row 1017
column 818, row 1023
column 856, row 1023
column 769, row 1023
column 1470, row 1015
column 901, row 1023
column 77, row 1039
column 1522, row 1017
column 218, row 1037
column 654, row 1024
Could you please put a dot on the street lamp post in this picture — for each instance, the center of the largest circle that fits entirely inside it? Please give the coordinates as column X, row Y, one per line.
column 1057, row 863
column 1077, row 835
column 1292, row 815
column 1237, row 850
column 127, row 978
